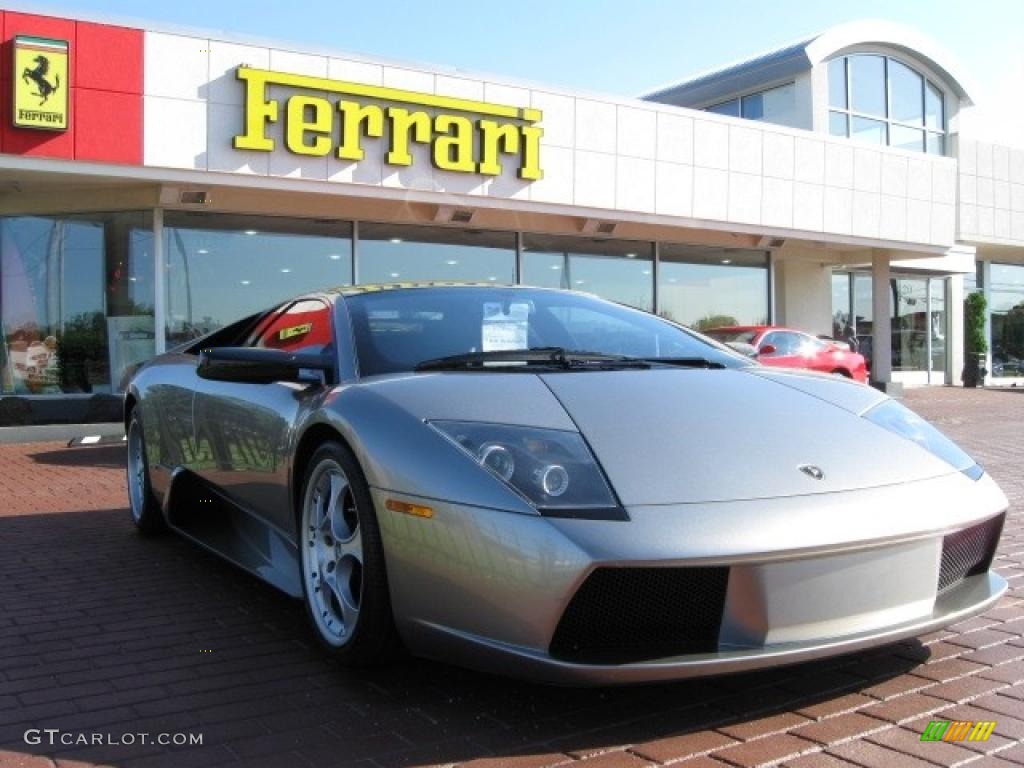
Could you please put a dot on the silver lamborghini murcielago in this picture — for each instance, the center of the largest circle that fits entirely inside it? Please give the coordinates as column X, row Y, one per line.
column 546, row 484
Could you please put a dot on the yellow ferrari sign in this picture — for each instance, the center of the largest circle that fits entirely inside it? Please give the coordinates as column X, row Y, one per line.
column 40, row 79
column 461, row 135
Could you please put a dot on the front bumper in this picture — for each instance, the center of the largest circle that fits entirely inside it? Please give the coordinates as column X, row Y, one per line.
column 804, row 577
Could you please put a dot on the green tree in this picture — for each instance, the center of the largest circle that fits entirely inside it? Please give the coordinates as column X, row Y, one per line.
column 715, row 321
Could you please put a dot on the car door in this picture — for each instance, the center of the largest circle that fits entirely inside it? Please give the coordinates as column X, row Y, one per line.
column 786, row 352
column 817, row 354
column 245, row 431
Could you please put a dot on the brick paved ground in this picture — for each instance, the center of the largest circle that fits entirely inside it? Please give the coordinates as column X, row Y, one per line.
column 101, row 631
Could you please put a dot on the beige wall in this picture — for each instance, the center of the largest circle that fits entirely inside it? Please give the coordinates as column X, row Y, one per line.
column 803, row 294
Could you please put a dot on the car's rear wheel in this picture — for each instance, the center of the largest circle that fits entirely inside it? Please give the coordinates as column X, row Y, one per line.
column 842, row 372
column 343, row 573
column 145, row 508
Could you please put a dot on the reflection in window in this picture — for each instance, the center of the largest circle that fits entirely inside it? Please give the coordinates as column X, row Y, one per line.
column 76, row 301
column 390, row 253
column 869, row 131
column 906, row 138
column 730, row 108
column 917, row 316
column 838, row 124
column 867, row 84
column 1007, row 305
column 837, row 83
column 774, row 105
column 905, row 88
column 619, row 270
column 221, row 268
column 712, row 287
column 889, row 103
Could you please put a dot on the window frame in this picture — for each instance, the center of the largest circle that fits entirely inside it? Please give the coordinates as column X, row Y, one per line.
column 850, row 113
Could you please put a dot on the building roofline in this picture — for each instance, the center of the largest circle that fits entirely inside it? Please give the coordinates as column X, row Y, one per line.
column 805, row 53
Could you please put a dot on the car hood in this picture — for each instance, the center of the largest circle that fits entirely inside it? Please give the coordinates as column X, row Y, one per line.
column 688, row 436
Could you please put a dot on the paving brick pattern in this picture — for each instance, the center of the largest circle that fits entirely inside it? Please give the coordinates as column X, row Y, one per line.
column 102, row 631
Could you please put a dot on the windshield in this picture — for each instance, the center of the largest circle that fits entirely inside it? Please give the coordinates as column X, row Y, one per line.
column 726, row 336
column 398, row 330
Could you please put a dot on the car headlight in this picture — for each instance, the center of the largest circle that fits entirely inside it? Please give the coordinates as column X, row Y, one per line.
column 552, row 469
column 902, row 421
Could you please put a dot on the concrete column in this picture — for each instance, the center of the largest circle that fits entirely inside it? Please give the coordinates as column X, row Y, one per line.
column 881, row 325
column 955, row 331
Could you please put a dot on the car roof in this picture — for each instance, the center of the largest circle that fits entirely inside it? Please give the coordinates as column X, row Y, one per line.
column 357, row 290
column 758, row 328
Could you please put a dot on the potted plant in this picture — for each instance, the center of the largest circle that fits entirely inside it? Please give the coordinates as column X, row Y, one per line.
column 975, row 343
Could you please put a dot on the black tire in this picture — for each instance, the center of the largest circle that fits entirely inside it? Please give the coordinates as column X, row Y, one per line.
column 372, row 639
column 842, row 372
column 144, row 507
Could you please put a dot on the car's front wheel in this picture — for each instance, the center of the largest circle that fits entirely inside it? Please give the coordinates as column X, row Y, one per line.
column 145, row 509
column 343, row 574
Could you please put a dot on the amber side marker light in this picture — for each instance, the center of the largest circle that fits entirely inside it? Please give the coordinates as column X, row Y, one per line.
column 416, row 510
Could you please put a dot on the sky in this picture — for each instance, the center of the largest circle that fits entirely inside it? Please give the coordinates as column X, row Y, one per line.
column 621, row 47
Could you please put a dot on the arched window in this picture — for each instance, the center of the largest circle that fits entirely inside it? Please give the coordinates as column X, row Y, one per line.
column 880, row 100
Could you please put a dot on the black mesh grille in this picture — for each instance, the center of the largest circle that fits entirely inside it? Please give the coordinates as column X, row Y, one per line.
column 969, row 552
column 621, row 615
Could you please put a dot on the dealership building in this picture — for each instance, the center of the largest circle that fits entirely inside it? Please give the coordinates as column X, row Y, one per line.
column 156, row 184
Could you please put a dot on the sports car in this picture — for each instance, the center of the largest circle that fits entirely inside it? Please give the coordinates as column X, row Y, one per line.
column 786, row 348
column 545, row 484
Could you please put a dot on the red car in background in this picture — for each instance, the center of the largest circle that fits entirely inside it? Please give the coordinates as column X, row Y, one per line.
column 787, row 348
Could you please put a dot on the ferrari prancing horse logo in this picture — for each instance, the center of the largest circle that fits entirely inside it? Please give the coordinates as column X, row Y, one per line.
column 40, row 83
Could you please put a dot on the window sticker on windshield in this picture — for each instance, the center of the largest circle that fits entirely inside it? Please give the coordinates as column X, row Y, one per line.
column 502, row 331
column 295, row 330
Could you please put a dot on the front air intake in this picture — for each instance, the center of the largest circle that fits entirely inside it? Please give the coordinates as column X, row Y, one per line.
column 623, row 615
column 969, row 552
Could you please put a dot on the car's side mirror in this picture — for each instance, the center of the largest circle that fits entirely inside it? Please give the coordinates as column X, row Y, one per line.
column 767, row 349
column 254, row 365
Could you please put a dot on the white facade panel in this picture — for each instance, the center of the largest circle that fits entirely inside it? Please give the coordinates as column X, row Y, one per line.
column 744, row 198
column 675, row 138
column 991, row 200
column 710, row 193
column 637, row 132
column 777, row 202
column 778, row 155
column 174, row 133
column 673, row 189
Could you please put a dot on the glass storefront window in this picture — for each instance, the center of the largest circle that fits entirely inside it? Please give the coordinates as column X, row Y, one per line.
column 76, row 301
column 712, row 287
column 917, row 307
column 937, row 323
column 392, row 253
column 1007, row 306
column 222, row 267
column 842, row 326
column 619, row 270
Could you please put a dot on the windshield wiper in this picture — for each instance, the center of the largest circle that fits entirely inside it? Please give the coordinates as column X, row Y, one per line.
column 552, row 357
column 683, row 362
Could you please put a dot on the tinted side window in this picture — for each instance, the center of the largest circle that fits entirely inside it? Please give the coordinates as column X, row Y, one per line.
column 775, row 340
column 305, row 325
